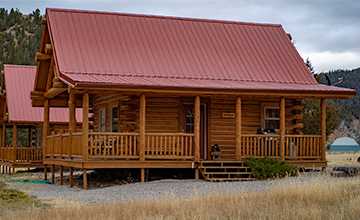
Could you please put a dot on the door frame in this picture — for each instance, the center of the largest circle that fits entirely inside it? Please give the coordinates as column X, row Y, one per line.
column 203, row 106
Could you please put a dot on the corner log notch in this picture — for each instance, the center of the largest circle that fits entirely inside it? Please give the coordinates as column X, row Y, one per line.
column 58, row 87
column 40, row 57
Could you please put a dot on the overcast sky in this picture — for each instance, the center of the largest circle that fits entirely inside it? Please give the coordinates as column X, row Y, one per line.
column 326, row 31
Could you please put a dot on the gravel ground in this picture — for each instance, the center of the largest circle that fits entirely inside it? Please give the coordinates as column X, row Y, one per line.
column 160, row 189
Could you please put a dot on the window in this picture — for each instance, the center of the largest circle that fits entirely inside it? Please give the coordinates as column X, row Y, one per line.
column 39, row 137
column 114, row 118
column 190, row 120
column 102, row 120
column 271, row 118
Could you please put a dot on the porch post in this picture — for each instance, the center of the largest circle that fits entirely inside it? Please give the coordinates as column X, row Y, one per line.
column 142, row 134
column 85, row 135
column 197, row 129
column 238, row 129
column 45, row 126
column 72, row 120
column 29, row 137
column 3, row 140
column 282, row 128
column 61, row 175
column 14, row 141
column 197, row 134
column 323, row 129
column 85, row 127
column 142, row 127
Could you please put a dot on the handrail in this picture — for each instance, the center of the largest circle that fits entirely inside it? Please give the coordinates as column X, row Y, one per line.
column 112, row 133
column 171, row 134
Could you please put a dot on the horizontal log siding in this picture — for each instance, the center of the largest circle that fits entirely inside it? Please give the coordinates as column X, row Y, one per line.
column 222, row 130
column 162, row 113
column 108, row 101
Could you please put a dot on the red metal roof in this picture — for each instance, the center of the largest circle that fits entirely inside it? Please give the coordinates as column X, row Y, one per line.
column 19, row 81
column 115, row 49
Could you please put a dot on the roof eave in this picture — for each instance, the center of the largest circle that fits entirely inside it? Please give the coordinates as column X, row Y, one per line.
column 344, row 94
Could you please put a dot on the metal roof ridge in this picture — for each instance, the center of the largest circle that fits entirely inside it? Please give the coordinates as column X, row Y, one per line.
column 164, row 17
column 18, row 66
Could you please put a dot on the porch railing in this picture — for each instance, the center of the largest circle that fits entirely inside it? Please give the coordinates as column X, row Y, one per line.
column 106, row 145
column 303, row 147
column 7, row 153
column 169, row 146
column 21, row 154
column 103, row 145
column 57, row 145
column 260, row 145
column 296, row 146
column 28, row 155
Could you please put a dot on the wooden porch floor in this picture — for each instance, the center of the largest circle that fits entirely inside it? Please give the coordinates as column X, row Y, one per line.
column 108, row 164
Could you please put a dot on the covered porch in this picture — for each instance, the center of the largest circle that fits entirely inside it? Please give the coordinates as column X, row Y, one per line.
column 18, row 154
column 144, row 148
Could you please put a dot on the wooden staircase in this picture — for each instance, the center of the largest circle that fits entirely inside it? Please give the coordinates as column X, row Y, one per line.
column 222, row 170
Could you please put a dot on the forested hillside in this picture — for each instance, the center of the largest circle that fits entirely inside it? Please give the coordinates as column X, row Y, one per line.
column 349, row 113
column 20, row 37
column 350, row 79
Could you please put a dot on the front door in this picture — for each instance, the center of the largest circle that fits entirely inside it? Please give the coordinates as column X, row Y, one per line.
column 188, row 124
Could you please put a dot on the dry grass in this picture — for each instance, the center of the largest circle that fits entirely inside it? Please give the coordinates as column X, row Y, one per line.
column 318, row 199
column 11, row 199
column 342, row 158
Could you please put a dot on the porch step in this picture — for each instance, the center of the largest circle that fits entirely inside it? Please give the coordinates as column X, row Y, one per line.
column 230, row 179
column 219, row 170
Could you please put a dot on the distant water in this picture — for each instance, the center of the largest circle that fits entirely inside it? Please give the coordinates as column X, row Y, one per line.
column 344, row 148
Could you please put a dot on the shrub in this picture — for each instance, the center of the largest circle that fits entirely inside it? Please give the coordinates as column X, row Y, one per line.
column 265, row 168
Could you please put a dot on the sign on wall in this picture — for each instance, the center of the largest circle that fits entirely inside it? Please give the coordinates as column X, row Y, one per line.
column 228, row 115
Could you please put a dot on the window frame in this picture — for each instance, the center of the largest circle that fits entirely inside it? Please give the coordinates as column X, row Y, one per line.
column 112, row 118
column 102, row 112
column 268, row 105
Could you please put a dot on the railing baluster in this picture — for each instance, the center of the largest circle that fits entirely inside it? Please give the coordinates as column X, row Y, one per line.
column 126, row 145
column 152, row 145
column 166, row 145
column 174, row 145
column 135, row 145
column 157, row 145
column 117, row 145
column 122, row 145
column 130, row 145
column 179, row 147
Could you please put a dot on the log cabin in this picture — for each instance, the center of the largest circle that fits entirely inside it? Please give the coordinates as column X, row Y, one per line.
column 18, row 117
column 162, row 91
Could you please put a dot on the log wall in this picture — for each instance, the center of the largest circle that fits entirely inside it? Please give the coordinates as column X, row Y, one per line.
column 222, row 130
column 164, row 114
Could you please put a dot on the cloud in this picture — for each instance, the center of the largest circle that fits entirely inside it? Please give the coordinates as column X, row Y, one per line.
column 327, row 60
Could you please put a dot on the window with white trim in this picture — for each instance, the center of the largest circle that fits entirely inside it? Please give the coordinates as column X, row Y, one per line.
column 114, row 119
column 102, row 120
column 272, row 118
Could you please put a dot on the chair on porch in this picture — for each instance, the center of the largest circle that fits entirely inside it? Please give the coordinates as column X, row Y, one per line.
column 215, row 152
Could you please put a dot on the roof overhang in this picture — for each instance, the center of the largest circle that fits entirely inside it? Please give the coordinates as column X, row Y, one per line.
column 346, row 94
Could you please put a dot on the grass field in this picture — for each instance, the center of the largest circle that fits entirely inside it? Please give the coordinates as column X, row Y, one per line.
column 321, row 198
column 318, row 199
column 342, row 158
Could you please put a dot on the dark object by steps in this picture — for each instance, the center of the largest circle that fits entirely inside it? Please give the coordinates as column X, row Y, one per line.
column 349, row 171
